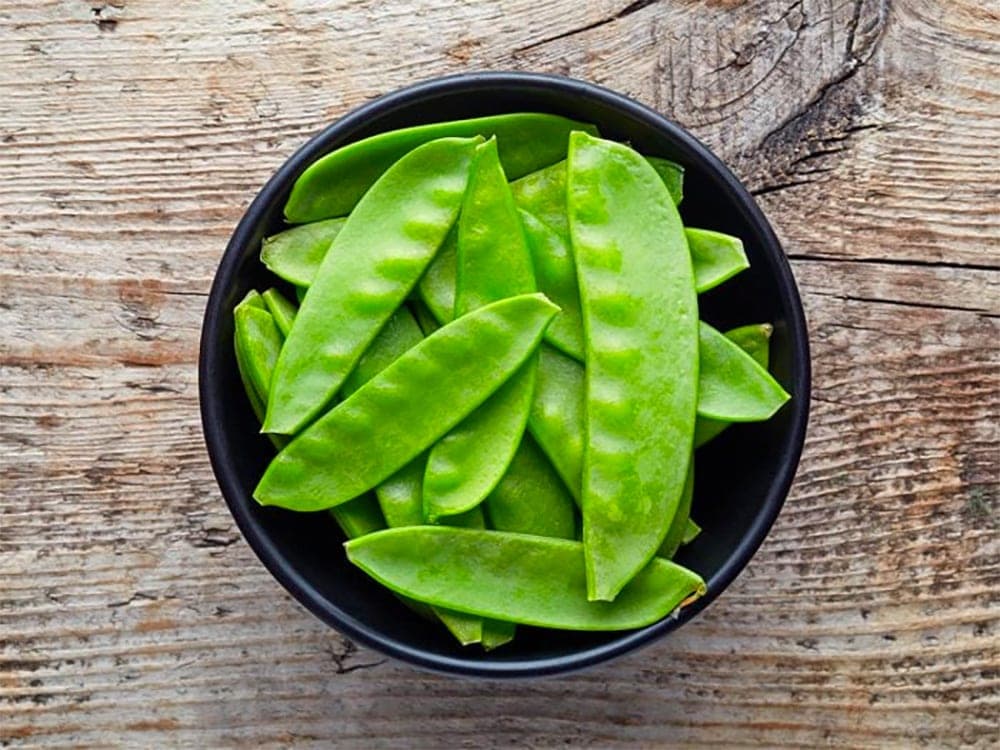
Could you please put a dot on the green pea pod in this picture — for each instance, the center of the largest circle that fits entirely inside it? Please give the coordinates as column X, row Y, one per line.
column 258, row 340
column 691, row 532
column 735, row 388
column 754, row 340
column 258, row 343
column 518, row 578
column 425, row 318
column 437, row 286
column 244, row 343
column 672, row 175
column 556, row 274
column 531, row 499
column 408, row 406
column 675, row 534
column 496, row 633
column 376, row 259
column 716, row 257
column 295, row 254
column 333, row 185
column 640, row 314
column 400, row 497
column 557, row 415
column 493, row 264
column 557, row 422
column 281, row 310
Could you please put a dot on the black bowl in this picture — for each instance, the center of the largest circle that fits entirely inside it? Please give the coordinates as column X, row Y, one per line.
column 742, row 477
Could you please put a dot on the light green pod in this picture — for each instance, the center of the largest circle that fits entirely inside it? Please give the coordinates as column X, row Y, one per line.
column 295, row 254
column 519, row 578
column 755, row 340
column 640, row 314
column 378, row 256
column 716, row 257
column 492, row 264
column 531, row 499
column 281, row 310
column 403, row 410
column 678, row 526
column 672, row 175
column 333, row 185
column 735, row 387
column 556, row 419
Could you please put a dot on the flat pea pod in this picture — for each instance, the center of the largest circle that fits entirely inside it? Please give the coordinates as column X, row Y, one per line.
column 556, row 419
column 519, row 578
column 557, row 412
column 675, row 534
column 281, row 310
column 555, row 271
column 716, row 257
column 640, row 314
column 259, row 338
column 295, row 254
column 755, row 340
column 258, row 344
column 739, row 389
column 376, row 259
column 493, row 264
column 437, row 285
column 691, row 532
column 403, row 410
column 334, row 184
column 245, row 341
column 531, row 499
column 672, row 175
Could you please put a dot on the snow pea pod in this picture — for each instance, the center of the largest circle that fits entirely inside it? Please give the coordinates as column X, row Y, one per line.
column 675, row 534
column 403, row 410
column 739, row 389
column 557, row 412
column 640, row 314
column 376, row 259
column 493, row 264
column 519, row 578
column 259, row 339
column 755, row 340
column 556, row 274
column 295, row 254
column 244, row 340
column 437, row 285
column 281, row 310
column 716, row 257
column 672, row 175
column 531, row 499
column 334, row 184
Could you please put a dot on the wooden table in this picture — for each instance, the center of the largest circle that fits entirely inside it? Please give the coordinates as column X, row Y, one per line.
column 133, row 134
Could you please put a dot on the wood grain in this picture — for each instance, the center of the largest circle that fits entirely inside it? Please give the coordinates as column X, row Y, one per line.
column 134, row 134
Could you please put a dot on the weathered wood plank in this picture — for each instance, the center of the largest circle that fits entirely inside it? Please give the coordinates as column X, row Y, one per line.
column 134, row 134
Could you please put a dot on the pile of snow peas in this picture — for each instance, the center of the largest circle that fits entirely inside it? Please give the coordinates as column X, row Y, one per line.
column 494, row 376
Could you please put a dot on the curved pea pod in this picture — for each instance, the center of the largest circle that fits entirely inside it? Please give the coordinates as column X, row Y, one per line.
column 672, row 175
column 258, row 340
column 755, row 340
column 404, row 409
column 640, row 314
column 281, row 310
column 519, row 578
column 493, row 264
column 716, row 257
column 295, row 254
column 334, row 184
column 376, row 259
column 734, row 388
column 531, row 499
column 253, row 350
column 555, row 271
column 557, row 414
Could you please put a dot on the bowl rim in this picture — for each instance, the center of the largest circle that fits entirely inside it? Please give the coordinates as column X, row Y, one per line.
column 216, row 439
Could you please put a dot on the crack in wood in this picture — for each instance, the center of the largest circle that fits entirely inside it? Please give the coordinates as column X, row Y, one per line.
column 623, row 13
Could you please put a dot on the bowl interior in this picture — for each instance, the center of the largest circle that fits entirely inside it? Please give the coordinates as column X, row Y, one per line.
column 742, row 477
